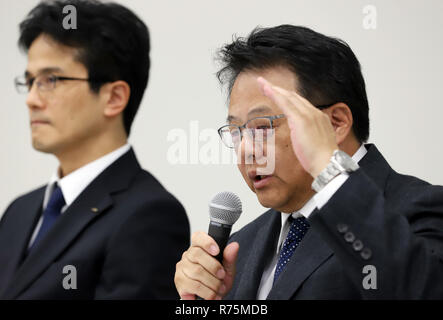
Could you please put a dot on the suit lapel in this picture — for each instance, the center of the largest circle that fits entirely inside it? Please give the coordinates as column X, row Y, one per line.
column 64, row 231
column 29, row 212
column 310, row 254
column 91, row 203
column 27, row 224
column 263, row 247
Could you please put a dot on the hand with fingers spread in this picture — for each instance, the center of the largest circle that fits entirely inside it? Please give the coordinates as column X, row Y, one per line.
column 312, row 134
column 199, row 274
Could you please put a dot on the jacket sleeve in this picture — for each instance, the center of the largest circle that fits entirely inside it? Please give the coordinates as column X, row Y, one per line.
column 402, row 237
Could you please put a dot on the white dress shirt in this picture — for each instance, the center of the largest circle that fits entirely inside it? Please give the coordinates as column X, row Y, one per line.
column 317, row 201
column 74, row 183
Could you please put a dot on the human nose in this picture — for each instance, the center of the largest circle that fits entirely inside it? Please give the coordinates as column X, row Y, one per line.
column 246, row 147
column 33, row 99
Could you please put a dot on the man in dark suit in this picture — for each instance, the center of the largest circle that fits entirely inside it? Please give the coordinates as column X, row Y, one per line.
column 102, row 228
column 342, row 223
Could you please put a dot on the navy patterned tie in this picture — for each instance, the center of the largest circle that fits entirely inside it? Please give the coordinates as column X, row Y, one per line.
column 51, row 213
column 298, row 229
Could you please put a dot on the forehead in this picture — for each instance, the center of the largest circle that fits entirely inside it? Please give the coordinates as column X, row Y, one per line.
column 247, row 98
column 46, row 53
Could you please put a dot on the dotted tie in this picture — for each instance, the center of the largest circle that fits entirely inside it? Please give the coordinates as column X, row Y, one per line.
column 51, row 213
column 298, row 229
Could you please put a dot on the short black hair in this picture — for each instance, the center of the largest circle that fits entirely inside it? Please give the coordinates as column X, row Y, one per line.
column 112, row 42
column 326, row 68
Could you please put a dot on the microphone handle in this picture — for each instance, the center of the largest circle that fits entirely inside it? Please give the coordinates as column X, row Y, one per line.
column 220, row 233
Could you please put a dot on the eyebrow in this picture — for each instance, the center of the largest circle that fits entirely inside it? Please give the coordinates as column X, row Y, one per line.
column 258, row 110
column 28, row 74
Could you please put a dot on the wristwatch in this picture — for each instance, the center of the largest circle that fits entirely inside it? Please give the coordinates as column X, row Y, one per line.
column 340, row 162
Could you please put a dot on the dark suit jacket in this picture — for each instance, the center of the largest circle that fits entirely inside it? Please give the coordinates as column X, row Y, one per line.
column 378, row 217
column 123, row 234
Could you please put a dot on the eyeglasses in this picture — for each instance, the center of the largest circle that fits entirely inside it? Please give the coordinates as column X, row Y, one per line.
column 44, row 82
column 259, row 129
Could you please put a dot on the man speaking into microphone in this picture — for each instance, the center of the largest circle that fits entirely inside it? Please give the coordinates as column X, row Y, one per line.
column 342, row 223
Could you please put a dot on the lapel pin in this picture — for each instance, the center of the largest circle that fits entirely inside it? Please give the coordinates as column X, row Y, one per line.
column 95, row 210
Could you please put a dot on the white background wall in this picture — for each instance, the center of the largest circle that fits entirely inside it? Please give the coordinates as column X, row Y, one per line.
column 402, row 64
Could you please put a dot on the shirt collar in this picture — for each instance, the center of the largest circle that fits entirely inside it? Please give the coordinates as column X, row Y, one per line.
column 360, row 153
column 308, row 207
column 74, row 183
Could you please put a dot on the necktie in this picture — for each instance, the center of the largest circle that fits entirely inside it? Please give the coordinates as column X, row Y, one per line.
column 50, row 214
column 298, row 229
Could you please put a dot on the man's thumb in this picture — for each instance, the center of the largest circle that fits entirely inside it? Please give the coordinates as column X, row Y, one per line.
column 230, row 257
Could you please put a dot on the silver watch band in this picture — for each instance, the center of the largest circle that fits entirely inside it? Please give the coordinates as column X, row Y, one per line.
column 340, row 162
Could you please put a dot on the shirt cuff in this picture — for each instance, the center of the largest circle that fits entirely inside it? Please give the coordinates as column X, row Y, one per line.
column 322, row 197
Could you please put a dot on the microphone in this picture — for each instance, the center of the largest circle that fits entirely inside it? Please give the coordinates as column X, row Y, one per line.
column 224, row 210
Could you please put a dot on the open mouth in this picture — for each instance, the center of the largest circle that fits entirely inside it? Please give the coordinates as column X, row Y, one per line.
column 259, row 180
column 260, row 177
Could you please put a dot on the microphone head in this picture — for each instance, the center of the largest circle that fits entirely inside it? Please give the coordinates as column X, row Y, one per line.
column 225, row 208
